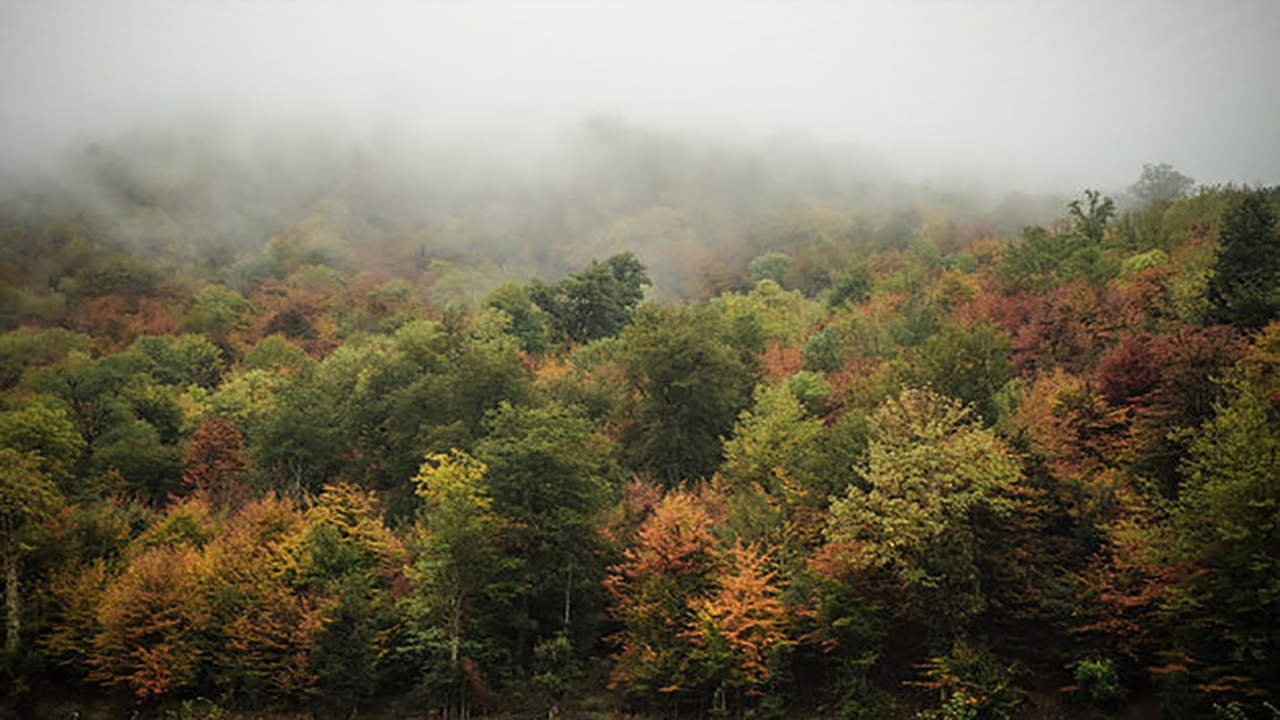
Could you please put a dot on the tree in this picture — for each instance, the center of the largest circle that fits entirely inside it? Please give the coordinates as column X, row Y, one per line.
column 26, row 497
column 25, row 348
column 970, row 364
column 1190, row 364
column 596, row 302
column 1244, row 289
column 1089, row 218
column 774, row 441
column 1130, row 370
column 655, row 590
column 1160, row 182
column 546, row 476
column 262, row 630
column 699, row 620
column 932, row 474
column 215, row 467
column 153, row 617
column 766, row 313
column 182, row 361
column 692, row 386
column 458, row 559
column 346, row 556
column 773, row 266
column 1072, row 249
column 126, row 413
column 853, row 288
column 43, row 429
column 218, row 311
column 135, row 449
column 1226, row 519
column 528, row 323
column 739, row 626
column 1033, row 263
column 296, row 443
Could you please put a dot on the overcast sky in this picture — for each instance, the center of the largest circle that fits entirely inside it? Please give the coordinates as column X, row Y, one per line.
column 1050, row 93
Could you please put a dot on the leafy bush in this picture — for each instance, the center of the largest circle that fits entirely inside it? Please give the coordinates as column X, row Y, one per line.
column 1099, row 681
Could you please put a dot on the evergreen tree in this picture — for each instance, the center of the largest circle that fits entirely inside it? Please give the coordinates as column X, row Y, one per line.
column 1243, row 290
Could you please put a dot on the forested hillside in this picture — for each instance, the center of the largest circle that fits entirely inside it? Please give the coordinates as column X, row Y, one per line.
column 649, row 425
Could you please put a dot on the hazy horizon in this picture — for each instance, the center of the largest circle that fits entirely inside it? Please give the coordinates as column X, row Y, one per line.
column 1037, row 96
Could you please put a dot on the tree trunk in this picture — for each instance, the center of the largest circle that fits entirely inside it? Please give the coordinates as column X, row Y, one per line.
column 455, row 628
column 568, row 597
column 12, row 599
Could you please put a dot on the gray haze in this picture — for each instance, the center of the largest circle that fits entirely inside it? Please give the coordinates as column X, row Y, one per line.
column 1050, row 94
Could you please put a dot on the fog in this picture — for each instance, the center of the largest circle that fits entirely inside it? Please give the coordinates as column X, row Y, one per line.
column 1038, row 96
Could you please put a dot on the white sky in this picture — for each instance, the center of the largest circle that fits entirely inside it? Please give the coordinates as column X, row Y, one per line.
column 1061, row 93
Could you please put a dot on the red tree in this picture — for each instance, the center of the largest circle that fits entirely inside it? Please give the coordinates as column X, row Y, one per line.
column 215, row 467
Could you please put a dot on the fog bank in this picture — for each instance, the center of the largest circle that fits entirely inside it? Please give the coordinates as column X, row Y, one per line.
column 1045, row 95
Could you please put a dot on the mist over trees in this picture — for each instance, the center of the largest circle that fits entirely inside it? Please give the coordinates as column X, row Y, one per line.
column 645, row 360
column 652, row 424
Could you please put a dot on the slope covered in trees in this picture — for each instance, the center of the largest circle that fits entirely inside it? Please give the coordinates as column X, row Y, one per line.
column 687, row 432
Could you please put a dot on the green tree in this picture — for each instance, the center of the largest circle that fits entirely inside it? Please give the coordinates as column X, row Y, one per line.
column 546, row 476
column 528, row 321
column 1089, row 218
column 596, row 302
column 346, row 555
column 176, row 361
column 43, row 428
column 125, row 407
column 970, row 364
column 135, row 449
column 26, row 497
column 1160, row 182
column 458, row 559
column 932, row 475
column 692, row 385
column 773, row 266
column 1071, row 249
column 1244, row 289
column 218, row 311
column 766, row 313
column 777, row 448
column 1226, row 520
column 1032, row 263
column 296, row 444
column 26, row 347
column 853, row 288
column 426, row 389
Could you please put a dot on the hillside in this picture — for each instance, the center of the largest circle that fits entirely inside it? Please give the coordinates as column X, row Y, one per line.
column 646, row 424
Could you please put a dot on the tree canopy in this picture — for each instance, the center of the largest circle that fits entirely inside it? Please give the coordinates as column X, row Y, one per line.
column 836, row 449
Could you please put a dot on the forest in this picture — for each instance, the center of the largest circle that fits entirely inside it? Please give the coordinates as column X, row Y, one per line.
column 659, row 427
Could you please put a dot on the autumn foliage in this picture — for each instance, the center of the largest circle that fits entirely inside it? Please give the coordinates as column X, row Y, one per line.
column 784, row 458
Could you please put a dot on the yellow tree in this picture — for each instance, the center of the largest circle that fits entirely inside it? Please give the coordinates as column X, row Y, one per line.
column 347, row 558
column 739, row 624
column 458, row 530
column 151, row 618
column 932, row 475
column 457, row 560
column 263, row 630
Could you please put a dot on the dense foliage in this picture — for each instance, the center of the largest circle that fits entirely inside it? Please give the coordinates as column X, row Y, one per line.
column 853, row 464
